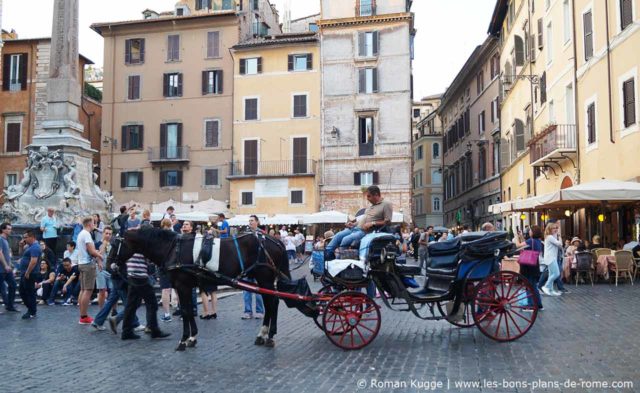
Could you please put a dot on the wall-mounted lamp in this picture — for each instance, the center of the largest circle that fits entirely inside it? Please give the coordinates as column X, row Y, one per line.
column 335, row 132
column 567, row 213
column 601, row 217
column 543, row 217
column 523, row 216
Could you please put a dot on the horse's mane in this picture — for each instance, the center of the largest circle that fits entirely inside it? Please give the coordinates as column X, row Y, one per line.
column 150, row 235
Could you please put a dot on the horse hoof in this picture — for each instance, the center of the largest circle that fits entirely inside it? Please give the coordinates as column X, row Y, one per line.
column 259, row 341
column 181, row 347
column 270, row 343
column 192, row 343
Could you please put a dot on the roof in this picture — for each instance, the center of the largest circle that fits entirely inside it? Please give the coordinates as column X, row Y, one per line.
column 86, row 59
column 280, row 39
column 98, row 27
column 306, row 17
column 499, row 13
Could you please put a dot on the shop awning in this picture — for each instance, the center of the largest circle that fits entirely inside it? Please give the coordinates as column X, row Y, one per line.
column 282, row 219
column 328, row 217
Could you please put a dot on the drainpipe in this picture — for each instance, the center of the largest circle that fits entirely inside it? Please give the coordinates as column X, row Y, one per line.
column 113, row 109
column 606, row 7
column 31, row 86
column 575, row 90
column 535, row 187
column 233, row 115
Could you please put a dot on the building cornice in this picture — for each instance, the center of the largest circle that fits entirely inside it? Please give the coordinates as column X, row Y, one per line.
column 362, row 20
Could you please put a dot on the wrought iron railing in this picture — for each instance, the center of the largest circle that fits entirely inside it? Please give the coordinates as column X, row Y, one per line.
column 169, row 154
column 249, row 168
column 554, row 138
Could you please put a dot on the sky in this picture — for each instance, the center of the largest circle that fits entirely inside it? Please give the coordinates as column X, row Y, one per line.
column 447, row 30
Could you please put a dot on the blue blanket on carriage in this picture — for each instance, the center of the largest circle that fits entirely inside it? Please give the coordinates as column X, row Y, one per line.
column 366, row 242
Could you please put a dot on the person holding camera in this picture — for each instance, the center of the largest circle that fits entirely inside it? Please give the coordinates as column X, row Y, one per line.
column 30, row 273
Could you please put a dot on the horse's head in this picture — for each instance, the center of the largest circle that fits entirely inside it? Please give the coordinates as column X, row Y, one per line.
column 154, row 243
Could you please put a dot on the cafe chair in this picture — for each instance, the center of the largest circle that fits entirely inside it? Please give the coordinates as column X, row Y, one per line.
column 624, row 265
column 584, row 265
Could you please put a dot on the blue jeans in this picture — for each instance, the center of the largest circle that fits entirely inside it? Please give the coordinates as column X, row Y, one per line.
column 559, row 282
column 344, row 238
column 248, row 303
column 8, row 289
column 118, row 291
column 554, row 273
column 73, row 289
column 533, row 279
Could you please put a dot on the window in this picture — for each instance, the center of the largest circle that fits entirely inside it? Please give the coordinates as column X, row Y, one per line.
column 172, row 178
column 132, row 137
column 549, row 43
column 495, row 66
column 366, row 8
column 250, row 157
column 134, row 87
column 300, row 153
column 543, row 88
column 211, row 82
column 368, row 44
column 134, row 51
column 417, row 180
column 365, row 178
column 300, row 105
column 255, row 5
column 419, row 153
column 481, row 122
column 12, row 140
column 629, row 102
column 180, row 11
column 436, row 176
column 14, row 72
column 212, row 133
column 368, row 80
column 566, row 12
column 496, row 159
column 246, row 198
column 213, row 44
column 416, row 113
column 436, row 204
column 211, row 177
column 131, row 180
column 171, row 141
column 203, row 4
column 587, row 25
column 173, row 47
column 520, row 137
column 480, row 82
column 251, row 66
column 172, row 85
column 10, row 179
column 313, row 27
column 482, row 164
column 591, row 123
column 251, row 109
column 518, row 52
column 540, row 34
column 626, row 13
column 296, row 197
column 365, row 136
column 302, row 62
column 494, row 111
column 569, row 102
column 436, row 151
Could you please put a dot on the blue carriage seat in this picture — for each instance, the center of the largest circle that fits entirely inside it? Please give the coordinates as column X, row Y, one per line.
column 371, row 245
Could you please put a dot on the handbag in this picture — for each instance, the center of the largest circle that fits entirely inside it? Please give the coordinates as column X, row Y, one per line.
column 529, row 257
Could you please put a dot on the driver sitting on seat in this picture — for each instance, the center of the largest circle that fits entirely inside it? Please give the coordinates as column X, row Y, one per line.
column 378, row 215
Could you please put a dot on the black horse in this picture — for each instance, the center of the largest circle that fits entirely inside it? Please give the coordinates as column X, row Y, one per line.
column 263, row 259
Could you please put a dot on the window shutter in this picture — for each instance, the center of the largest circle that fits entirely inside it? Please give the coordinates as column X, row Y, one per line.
column 243, row 66
column 375, row 79
column 519, row 44
column 179, row 178
column 216, row 44
column 24, row 66
column 179, row 134
column 356, row 178
column 540, row 34
column 180, row 85
column 205, row 82
column 142, row 50
column 629, row 103
column 591, row 123
column 140, row 179
column 125, row 143
column 362, row 49
column 543, row 88
column 163, row 178
column 588, row 35
column 290, row 63
column 127, row 52
column 376, row 43
column 141, row 137
column 362, row 80
column 123, row 179
column 504, row 153
column 163, row 135
column 136, row 91
column 130, row 93
column 219, row 74
column 259, row 65
column 13, row 138
column 309, row 61
column 165, row 85
column 626, row 13
column 6, row 72
column 376, row 178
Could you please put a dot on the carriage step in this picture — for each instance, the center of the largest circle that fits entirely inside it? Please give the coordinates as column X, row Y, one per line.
column 428, row 295
column 409, row 270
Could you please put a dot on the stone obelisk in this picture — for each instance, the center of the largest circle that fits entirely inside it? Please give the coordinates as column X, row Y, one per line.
column 59, row 170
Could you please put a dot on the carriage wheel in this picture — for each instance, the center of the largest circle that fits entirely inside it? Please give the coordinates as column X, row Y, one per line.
column 466, row 319
column 325, row 290
column 351, row 320
column 500, row 307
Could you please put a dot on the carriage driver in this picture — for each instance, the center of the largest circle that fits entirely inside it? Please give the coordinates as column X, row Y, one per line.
column 378, row 215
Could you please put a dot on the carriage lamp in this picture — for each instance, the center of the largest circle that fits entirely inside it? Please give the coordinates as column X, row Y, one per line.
column 523, row 216
column 567, row 213
column 601, row 217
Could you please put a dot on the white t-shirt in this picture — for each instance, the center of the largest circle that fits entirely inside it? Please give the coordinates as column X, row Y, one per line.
column 290, row 243
column 283, row 234
column 84, row 238
column 72, row 255
column 299, row 239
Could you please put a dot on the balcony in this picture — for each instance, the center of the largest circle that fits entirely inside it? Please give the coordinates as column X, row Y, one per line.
column 267, row 169
column 168, row 154
column 555, row 144
column 382, row 150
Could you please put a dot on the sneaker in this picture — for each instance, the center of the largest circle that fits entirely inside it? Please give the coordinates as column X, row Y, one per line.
column 139, row 328
column 85, row 321
column 41, row 302
column 147, row 330
column 99, row 328
column 166, row 318
column 540, row 308
column 113, row 324
column 246, row 315
column 28, row 316
column 556, row 293
column 547, row 292
column 51, row 303
column 67, row 302
column 258, row 315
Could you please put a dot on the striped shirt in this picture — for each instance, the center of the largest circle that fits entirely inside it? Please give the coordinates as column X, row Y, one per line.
column 137, row 266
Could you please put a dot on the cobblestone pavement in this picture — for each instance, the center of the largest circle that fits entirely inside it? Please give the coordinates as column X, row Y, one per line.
column 588, row 335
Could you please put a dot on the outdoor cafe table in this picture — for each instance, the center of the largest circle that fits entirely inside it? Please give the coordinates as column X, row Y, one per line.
column 602, row 266
column 567, row 264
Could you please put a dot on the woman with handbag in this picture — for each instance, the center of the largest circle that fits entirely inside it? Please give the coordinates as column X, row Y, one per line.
column 529, row 264
column 552, row 248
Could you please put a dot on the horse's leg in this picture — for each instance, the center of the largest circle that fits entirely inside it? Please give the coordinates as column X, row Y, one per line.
column 264, row 329
column 184, row 297
column 191, row 343
column 273, row 322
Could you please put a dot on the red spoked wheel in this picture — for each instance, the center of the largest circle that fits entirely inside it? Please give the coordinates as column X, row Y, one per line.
column 464, row 318
column 501, row 307
column 351, row 320
column 325, row 291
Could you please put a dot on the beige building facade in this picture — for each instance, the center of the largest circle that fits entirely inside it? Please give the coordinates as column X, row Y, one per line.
column 276, row 132
column 168, row 99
